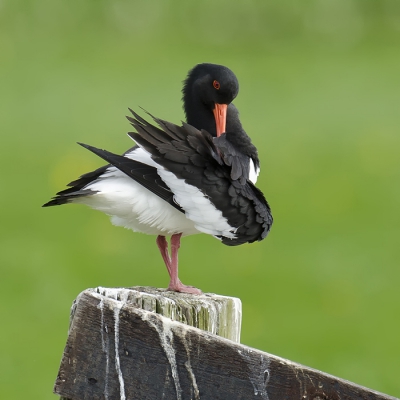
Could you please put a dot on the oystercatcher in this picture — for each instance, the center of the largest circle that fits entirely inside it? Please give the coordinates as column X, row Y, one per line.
column 182, row 180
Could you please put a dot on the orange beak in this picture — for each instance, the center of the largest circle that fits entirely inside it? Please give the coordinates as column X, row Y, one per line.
column 220, row 117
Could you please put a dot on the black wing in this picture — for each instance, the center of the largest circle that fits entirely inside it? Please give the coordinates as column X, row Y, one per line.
column 76, row 187
column 191, row 155
column 142, row 173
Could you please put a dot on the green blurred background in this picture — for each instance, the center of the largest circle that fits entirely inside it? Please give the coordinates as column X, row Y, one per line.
column 320, row 96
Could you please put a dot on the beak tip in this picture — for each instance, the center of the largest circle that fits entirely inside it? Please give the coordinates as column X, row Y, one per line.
column 220, row 118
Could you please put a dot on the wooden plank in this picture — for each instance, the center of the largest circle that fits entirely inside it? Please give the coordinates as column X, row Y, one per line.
column 116, row 351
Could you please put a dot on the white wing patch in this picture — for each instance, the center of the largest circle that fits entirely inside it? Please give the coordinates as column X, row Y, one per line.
column 198, row 208
column 141, row 155
column 253, row 172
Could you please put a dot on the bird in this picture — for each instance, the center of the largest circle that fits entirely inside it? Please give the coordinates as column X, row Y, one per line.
column 179, row 180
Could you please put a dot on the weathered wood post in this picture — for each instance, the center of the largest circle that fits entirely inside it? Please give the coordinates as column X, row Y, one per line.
column 219, row 315
column 119, row 350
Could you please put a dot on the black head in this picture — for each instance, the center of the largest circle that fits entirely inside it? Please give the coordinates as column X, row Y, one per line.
column 212, row 83
column 205, row 86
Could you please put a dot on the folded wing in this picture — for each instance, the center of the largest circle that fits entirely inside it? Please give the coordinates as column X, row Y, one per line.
column 192, row 156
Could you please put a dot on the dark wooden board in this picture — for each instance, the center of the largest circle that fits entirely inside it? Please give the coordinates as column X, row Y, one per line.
column 115, row 351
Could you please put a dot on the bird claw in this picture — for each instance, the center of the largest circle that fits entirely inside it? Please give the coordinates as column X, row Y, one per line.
column 181, row 288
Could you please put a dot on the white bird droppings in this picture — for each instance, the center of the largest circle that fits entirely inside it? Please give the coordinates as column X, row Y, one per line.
column 117, row 360
column 121, row 297
column 166, row 339
column 260, row 374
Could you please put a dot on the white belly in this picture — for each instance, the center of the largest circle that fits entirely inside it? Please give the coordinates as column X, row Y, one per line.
column 132, row 206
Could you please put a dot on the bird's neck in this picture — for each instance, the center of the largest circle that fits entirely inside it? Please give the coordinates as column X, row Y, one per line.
column 238, row 137
column 198, row 114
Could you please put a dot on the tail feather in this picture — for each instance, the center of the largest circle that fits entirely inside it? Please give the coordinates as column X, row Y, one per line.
column 76, row 188
column 64, row 198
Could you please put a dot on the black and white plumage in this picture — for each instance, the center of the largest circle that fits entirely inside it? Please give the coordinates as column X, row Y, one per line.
column 182, row 180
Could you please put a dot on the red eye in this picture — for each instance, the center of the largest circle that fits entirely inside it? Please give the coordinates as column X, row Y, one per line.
column 216, row 84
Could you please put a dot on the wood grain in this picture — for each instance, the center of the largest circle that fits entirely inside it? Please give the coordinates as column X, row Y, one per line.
column 116, row 351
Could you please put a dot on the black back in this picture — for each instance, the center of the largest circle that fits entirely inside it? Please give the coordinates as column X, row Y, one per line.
column 195, row 156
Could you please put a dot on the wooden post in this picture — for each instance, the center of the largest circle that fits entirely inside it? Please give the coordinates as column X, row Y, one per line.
column 213, row 313
column 117, row 351
column 220, row 315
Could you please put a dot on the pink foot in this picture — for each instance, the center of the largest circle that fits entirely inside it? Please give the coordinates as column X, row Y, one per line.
column 181, row 288
column 172, row 264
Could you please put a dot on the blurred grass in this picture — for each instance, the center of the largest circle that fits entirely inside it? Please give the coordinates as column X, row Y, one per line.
column 320, row 95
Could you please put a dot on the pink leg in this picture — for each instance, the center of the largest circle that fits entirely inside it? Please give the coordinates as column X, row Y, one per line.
column 175, row 284
column 163, row 247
